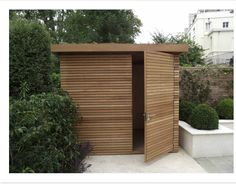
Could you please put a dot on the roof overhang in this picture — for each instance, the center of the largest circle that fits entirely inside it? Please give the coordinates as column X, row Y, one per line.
column 116, row 47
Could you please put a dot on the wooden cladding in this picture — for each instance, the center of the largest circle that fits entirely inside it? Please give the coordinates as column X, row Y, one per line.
column 101, row 86
column 176, row 104
column 159, row 106
column 114, row 84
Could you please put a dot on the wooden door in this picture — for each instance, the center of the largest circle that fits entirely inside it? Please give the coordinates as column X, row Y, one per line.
column 159, row 103
column 101, row 86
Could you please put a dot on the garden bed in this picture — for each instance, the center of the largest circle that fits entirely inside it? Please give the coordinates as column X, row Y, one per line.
column 206, row 143
column 229, row 123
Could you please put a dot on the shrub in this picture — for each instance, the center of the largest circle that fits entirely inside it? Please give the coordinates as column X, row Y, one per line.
column 41, row 137
column 55, row 79
column 225, row 108
column 29, row 57
column 204, row 118
column 186, row 109
column 55, row 63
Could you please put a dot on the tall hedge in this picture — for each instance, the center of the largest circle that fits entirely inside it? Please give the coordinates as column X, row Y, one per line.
column 29, row 57
column 41, row 135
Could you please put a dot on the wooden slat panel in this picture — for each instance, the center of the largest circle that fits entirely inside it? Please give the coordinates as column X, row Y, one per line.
column 101, row 86
column 159, row 91
column 176, row 104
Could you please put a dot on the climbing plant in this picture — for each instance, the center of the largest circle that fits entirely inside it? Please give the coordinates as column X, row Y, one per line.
column 193, row 88
column 206, row 84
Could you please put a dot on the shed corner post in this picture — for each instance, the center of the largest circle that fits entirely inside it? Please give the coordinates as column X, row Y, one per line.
column 176, row 104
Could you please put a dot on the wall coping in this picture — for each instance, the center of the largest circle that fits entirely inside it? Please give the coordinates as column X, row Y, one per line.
column 222, row 130
column 226, row 121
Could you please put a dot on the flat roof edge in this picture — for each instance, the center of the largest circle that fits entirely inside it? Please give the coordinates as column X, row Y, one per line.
column 116, row 47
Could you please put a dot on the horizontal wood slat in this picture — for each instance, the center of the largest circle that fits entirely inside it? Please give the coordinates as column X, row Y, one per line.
column 101, row 86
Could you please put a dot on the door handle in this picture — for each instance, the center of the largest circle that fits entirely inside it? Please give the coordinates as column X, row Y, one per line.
column 146, row 116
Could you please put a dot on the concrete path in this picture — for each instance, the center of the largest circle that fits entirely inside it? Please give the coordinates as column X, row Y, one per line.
column 179, row 162
column 217, row 164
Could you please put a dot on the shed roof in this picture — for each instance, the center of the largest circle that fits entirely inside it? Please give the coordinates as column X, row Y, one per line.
column 117, row 47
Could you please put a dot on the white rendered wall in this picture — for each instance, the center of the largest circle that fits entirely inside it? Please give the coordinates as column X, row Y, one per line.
column 206, row 143
column 217, row 41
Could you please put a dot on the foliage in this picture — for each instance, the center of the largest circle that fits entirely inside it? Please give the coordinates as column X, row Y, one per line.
column 158, row 38
column 85, row 26
column 186, row 109
column 204, row 118
column 55, row 78
column 216, row 80
column 41, row 137
column 225, row 108
column 29, row 57
column 193, row 57
column 55, row 64
column 52, row 19
column 195, row 89
column 98, row 26
column 24, row 89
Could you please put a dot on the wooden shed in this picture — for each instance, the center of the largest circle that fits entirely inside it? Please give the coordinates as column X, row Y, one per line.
column 127, row 95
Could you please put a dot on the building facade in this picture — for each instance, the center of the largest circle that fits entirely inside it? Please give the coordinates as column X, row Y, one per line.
column 213, row 30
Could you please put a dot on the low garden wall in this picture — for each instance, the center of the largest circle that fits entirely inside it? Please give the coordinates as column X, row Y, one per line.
column 229, row 123
column 206, row 143
column 206, row 84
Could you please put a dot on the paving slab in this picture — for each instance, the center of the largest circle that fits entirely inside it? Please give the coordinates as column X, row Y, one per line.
column 179, row 162
column 217, row 164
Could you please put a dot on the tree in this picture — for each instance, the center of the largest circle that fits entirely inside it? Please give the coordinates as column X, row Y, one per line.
column 53, row 19
column 102, row 26
column 86, row 26
column 158, row 37
column 193, row 57
column 29, row 58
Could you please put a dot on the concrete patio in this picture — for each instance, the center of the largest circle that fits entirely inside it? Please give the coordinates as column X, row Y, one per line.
column 217, row 164
column 179, row 162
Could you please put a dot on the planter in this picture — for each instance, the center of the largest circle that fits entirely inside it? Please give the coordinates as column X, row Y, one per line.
column 206, row 143
column 229, row 123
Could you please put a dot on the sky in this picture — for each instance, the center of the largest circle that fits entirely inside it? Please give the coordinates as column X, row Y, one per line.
column 165, row 21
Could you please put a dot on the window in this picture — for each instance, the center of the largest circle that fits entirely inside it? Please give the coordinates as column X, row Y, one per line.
column 225, row 24
column 208, row 26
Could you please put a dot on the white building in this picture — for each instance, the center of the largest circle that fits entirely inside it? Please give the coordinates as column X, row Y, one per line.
column 213, row 30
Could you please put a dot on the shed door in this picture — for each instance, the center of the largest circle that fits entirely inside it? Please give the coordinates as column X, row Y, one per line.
column 159, row 87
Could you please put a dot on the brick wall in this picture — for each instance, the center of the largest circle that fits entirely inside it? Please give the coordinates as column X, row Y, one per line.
column 221, row 80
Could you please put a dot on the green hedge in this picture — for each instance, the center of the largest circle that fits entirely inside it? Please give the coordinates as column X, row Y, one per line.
column 204, row 118
column 41, row 137
column 29, row 57
column 225, row 108
column 185, row 110
column 55, row 79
